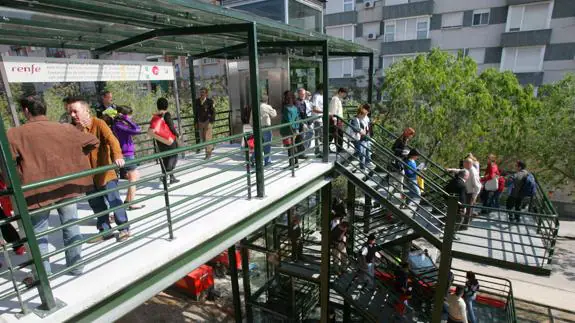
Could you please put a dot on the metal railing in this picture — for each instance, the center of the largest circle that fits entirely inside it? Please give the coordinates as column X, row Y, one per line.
column 234, row 163
column 536, row 239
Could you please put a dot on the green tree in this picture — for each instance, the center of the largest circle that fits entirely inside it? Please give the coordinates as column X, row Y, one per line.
column 552, row 142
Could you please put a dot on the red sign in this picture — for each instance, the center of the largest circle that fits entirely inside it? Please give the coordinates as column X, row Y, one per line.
column 155, row 70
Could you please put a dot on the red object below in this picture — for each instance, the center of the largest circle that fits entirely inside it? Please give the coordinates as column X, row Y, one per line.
column 160, row 131
column 225, row 260
column 5, row 202
column 198, row 281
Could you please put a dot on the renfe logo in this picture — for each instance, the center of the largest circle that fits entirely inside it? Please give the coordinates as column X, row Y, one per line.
column 31, row 69
column 155, row 70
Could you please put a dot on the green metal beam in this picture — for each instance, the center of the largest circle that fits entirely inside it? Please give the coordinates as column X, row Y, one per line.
column 370, row 80
column 255, row 105
column 325, row 252
column 179, row 31
column 325, row 90
column 350, row 54
column 445, row 263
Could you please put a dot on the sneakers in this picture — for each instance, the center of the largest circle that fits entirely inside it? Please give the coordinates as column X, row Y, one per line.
column 124, row 235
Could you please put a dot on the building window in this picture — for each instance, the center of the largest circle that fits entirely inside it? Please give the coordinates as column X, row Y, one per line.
column 348, row 5
column 477, row 54
column 422, row 28
column 389, row 35
column 529, row 17
column 452, row 20
column 522, row 59
column 343, row 32
column 406, row 29
column 340, row 67
column 391, row 59
column 480, row 17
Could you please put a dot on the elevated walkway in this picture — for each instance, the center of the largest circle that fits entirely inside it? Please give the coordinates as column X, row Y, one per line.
column 209, row 218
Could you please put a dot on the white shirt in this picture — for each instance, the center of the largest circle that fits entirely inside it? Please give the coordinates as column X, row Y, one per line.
column 334, row 223
column 267, row 112
column 456, row 308
column 317, row 103
column 335, row 107
column 473, row 183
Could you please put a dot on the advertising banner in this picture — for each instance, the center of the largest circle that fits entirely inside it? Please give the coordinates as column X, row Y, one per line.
column 51, row 70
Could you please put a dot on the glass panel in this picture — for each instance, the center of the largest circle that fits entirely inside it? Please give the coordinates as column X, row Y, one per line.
column 273, row 9
column 535, row 17
column 422, row 30
column 476, row 19
column 528, row 59
column 514, row 18
column 304, row 17
column 485, row 18
column 389, row 33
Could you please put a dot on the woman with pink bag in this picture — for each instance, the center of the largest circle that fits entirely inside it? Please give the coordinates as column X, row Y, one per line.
column 167, row 163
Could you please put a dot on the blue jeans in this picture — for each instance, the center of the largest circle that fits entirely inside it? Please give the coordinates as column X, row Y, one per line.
column 267, row 146
column 70, row 235
column 369, row 275
column 307, row 136
column 413, row 188
column 113, row 199
column 469, row 301
column 362, row 147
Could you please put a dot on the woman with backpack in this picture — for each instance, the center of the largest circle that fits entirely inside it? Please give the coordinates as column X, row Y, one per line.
column 124, row 129
column 470, row 294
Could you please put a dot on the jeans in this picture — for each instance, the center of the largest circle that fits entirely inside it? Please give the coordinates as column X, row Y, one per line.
column 70, row 235
column 413, row 190
column 469, row 301
column 307, row 136
column 113, row 199
column 368, row 275
column 267, row 146
column 363, row 148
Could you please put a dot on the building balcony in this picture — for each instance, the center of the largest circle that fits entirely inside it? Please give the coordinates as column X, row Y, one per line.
column 526, row 38
column 411, row 9
column 533, row 78
column 520, row 2
column 406, row 46
column 340, row 18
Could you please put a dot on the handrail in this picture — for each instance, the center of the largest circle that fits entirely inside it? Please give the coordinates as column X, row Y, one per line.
column 136, row 161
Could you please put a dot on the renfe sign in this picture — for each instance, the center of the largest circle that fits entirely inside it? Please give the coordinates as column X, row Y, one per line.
column 49, row 70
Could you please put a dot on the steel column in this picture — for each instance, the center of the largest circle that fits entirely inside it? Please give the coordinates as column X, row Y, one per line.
column 370, row 80
column 445, row 263
column 325, row 117
column 10, row 173
column 366, row 213
column 325, row 252
column 193, row 96
column 9, row 97
column 246, row 280
column 351, row 214
column 255, row 104
column 235, row 284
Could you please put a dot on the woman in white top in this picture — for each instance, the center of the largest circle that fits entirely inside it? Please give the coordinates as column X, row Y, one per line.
column 267, row 112
column 360, row 131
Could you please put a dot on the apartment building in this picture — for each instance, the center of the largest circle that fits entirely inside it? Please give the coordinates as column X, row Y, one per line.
column 535, row 39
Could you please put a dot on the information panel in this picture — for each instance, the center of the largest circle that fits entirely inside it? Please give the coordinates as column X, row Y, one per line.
column 21, row 69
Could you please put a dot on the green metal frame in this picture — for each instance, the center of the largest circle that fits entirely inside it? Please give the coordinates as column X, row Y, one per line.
column 325, row 252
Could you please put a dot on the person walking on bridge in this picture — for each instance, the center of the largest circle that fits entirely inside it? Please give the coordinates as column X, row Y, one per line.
column 368, row 255
column 204, row 118
column 42, row 150
column 109, row 153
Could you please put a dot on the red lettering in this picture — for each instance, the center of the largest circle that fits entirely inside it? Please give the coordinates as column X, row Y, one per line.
column 27, row 69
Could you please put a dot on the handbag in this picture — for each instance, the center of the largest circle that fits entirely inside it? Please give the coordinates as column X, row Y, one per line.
column 160, row 131
column 492, row 184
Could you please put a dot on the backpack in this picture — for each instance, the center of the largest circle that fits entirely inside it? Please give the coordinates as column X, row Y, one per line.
column 529, row 187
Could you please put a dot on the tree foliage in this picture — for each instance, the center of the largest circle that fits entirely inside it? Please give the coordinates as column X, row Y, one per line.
column 455, row 111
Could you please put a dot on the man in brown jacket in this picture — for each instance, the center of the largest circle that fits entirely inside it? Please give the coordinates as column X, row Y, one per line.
column 108, row 153
column 43, row 150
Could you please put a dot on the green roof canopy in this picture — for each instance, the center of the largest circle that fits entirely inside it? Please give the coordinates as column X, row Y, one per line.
column 141, row 25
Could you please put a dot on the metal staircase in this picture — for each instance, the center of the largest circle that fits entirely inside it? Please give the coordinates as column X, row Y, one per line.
column 490, row 238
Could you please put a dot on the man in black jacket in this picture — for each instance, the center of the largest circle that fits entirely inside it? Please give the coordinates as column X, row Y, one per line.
column 456, row 186
column 204, row 118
